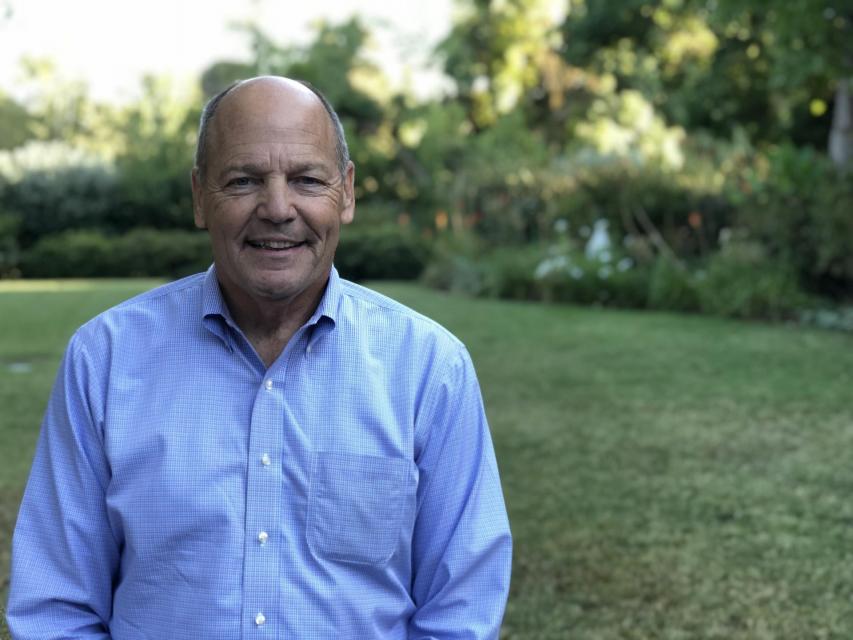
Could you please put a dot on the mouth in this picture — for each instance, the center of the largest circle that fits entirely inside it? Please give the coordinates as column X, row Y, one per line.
column 275, row 245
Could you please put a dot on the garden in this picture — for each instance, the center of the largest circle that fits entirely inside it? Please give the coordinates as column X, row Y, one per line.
column 673, row 155
column 639, row 218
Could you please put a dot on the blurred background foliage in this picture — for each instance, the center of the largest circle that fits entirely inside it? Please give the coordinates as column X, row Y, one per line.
column 649, row 153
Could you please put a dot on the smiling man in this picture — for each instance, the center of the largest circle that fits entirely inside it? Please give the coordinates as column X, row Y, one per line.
column 272, row 191
column 264, row 450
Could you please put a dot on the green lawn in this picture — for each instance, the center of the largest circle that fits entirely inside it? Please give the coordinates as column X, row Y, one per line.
column 666, row 476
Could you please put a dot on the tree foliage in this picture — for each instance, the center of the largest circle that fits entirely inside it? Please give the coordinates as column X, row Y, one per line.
column 659, row 116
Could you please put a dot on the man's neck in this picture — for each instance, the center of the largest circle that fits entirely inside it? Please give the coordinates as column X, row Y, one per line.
column 270, row 324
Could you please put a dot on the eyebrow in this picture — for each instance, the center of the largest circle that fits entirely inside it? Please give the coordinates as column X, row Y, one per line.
column 243, row 167
column 258, row 169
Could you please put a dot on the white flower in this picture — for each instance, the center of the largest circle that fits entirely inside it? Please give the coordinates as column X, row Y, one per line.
column 551, row 265
column 624, row 264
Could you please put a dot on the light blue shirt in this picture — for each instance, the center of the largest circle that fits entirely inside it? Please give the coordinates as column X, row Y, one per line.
column 182, row 490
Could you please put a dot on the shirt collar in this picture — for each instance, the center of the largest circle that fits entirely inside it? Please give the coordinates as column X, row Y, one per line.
column 215, row 315
column 331, row 300
column 213, row 304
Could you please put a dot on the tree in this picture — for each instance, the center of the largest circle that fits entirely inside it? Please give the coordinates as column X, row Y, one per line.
column 721, row 66
column 495, row 54
column 811, row 57
column 15, row 123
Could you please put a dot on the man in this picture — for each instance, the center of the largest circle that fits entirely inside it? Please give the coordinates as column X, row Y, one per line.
column 264, row 450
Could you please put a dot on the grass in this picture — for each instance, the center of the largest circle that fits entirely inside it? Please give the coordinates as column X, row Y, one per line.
column 667, row 477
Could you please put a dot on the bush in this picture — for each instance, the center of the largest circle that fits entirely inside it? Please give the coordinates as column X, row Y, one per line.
column 798, row 206
column 9, row 254
column 509, row 273
column 533, row 272
column 140, row 252
column 741, row 281
column 461, row 264
column 51, row 187
column 672, row 287
column 169, row 253
column 837, row 319
column 381, row 253
column 564, row 278
column 48, row 202
column 455, row 273
column 688, row 217
column 831, row 233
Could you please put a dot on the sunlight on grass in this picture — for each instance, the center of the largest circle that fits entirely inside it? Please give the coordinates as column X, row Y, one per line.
column 71, row 284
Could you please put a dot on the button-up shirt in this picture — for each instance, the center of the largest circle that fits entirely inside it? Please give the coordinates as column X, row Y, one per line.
column 180, row 489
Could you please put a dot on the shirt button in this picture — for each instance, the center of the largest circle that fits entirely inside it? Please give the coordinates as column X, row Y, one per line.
column 268, row 385
column 263, row 536
column 265, row 460
column 308, row 349
column 260, row 619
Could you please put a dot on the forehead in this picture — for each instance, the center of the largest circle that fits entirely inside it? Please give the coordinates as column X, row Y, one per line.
column 270, row 119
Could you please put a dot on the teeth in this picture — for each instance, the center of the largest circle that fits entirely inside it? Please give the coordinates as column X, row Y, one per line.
column 275, row 244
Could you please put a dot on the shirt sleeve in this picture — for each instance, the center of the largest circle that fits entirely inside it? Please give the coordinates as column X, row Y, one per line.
column 65, row 555
column 462, row 548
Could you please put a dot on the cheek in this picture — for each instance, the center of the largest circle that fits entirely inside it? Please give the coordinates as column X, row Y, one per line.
column 226, row 221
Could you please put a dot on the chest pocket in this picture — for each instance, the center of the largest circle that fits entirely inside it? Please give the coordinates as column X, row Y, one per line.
column 356, row 506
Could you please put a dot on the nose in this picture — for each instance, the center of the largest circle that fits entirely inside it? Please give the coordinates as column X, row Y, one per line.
column 277, row 203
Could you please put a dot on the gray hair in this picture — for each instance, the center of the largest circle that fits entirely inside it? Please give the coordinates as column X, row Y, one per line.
column 209, row 111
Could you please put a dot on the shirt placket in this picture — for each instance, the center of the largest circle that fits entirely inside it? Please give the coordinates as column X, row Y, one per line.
column 263, row 538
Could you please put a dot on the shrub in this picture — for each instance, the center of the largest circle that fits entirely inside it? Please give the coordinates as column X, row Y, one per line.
column 572, row 278
column 9, row 253
column 671, row 287
column 51, row 187
column 455, row 273
column 456, row 266
column 838, row 319
column 83, row 254
column 48, row 202
column 140, row 252
column 742, row 281
column 634, row 199
column 381, row 253
column 798, row 206
column 169, row 253
column 831, row 233
column 509, row 273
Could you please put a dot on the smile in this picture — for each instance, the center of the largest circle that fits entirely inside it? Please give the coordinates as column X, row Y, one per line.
column 274, row 245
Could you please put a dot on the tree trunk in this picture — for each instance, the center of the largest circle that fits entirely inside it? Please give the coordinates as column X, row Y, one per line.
column 841, row 135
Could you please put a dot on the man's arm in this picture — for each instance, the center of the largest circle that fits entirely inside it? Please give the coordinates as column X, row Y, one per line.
column 64, row 552
column 462, row 547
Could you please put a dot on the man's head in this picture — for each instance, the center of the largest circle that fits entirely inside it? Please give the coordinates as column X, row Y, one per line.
column 272, row 185
column 209, row 111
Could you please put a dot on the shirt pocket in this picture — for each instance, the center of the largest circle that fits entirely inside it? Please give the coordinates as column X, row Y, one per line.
column 356, row 506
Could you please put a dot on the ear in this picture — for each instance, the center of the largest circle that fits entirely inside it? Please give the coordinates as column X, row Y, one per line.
column 198, row 208
column 348, row 204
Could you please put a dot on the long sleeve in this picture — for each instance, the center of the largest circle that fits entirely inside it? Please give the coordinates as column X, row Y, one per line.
column 64, row 552
column 462, row 546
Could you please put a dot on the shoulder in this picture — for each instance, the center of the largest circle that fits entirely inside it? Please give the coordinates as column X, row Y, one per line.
column 384, row 316
column 145, row 316
column 178, row 289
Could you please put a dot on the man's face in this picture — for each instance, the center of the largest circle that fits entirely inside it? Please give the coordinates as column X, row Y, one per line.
column 272, row 196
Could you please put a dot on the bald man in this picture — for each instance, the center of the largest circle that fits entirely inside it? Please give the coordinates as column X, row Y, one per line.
column 264, row 450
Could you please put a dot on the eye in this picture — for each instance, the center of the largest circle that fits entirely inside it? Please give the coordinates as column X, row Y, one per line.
column 241, row 181
column 308, row 181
